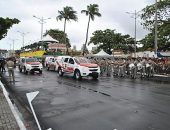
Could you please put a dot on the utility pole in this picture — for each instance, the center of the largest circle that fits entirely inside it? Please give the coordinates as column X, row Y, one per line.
column 134, row 15
column 13, row 43
column 41, row 21
column 156, row 27
column 23, row 35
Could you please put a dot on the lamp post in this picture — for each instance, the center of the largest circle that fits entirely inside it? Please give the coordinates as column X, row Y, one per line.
column 23, row 35
column 134, row 15
column 156, row 28
column 13, row 43
column 41, row 21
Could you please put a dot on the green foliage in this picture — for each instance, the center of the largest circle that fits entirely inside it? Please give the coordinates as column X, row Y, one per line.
column 109, row 39
column 5, row 25
column 68, row 14
column 92, row 11
column 148, row 43
column 58, row 35
column 148, row 17
column 163, row 13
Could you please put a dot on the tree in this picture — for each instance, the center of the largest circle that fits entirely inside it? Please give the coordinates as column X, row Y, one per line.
column 58, row 35
column 92, row 11
column 67, row 14
column 148, row 43
column 163, row 13
column 5, row 25
column 109, row 39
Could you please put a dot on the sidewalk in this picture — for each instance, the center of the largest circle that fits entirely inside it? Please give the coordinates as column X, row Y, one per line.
column 9, row 116
column 7, row 119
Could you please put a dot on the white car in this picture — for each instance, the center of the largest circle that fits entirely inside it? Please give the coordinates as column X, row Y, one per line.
column 27, row 64
column 78, row 67
column 52, row 64
column 47, row 60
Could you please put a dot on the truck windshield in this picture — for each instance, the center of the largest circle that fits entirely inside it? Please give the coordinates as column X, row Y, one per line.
column 81, row 60
column 31, row 60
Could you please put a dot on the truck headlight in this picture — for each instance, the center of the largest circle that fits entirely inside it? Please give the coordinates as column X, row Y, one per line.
column 40, row 66
column 28, row 66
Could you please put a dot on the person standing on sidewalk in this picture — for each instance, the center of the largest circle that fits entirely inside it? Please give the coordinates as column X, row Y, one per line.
column 10, row 67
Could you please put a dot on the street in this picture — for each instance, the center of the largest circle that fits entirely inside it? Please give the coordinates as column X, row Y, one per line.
column 105, row 104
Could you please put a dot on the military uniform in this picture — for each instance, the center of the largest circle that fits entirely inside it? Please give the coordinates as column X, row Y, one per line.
column 10, row 65
column 109, row 64
column 102, row 64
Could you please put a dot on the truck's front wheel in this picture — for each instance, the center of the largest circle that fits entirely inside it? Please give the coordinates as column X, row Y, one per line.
column 95, row 77
column 60, row 72
column 77, row 75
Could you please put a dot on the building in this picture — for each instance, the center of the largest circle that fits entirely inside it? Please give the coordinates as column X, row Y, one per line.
column 3, row 53
column 57, row 47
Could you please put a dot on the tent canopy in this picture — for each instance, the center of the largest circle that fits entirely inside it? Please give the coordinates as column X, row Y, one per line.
column 102, row 53
column 48, row 38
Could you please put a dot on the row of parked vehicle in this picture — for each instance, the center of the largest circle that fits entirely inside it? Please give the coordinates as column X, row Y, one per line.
column 77, row 67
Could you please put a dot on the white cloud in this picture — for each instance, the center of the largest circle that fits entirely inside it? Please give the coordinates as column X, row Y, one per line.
column 113, row 17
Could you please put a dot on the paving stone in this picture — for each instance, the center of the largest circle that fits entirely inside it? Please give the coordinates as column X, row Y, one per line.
column 7, row 119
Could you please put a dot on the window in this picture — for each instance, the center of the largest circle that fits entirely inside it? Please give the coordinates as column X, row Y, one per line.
column 71, row 61
column 79, row 60
column 66, row 60
column 23, row 60
column 31, row 60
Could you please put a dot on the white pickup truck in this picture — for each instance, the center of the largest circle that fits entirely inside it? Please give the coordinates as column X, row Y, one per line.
column 28, row 64
column 78, row 67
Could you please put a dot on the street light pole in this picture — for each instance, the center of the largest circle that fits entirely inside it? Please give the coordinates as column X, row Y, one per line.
column 41, row 21
column 135, row 33
column 13, row 43
column 156, row 28
column 23, row 35
column 134, row 15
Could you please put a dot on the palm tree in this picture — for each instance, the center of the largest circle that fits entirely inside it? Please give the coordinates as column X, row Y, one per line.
column 92, row 10
column 67, row 14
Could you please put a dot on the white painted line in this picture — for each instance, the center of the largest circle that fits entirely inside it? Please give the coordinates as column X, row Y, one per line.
column 30, row 97
column 17, row 117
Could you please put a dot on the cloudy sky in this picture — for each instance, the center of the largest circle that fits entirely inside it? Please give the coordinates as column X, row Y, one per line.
column 113, row 12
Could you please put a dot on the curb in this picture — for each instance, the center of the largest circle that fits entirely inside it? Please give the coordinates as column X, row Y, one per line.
column 162, row 78
column 13, row 109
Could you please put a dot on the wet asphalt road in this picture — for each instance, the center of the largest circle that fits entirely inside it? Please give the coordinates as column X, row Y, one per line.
column 104, row 104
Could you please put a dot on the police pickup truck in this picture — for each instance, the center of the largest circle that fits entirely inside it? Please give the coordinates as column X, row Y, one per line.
column 28, row 64
column 78, row 67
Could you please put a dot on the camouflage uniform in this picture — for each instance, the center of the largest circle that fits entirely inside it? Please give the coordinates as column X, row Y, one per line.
column 102, row 64
column 109, row 67
column 121, row 72
column 10, row 65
